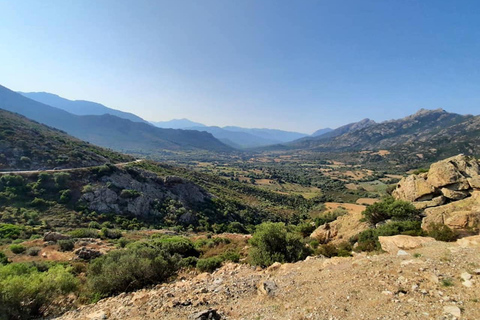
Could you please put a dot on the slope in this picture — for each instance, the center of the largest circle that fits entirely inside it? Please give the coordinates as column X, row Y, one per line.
column 79, row 107
column 111, row 131
column 25, row 144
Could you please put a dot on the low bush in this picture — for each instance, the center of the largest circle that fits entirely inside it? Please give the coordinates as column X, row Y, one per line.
column 26, row 291
column 130, row 269
column 389, row 208
column 209, row 264
column 110, row 233
column 441, row 232
column 368, row 239
column 33, row 251
column 66, row 245
column 84, row 233
column 271, row 243
column 10, row 231
column 17, row 248
column 3, row 259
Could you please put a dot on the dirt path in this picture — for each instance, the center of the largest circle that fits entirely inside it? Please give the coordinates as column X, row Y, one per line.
column 119, row 165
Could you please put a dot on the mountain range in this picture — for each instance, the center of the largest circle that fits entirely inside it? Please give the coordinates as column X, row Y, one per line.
column 427, row 134
column 111, row 131
column 236, row 137
column 79, row 107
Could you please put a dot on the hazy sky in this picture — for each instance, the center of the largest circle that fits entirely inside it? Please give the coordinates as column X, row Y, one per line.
column 296, row 65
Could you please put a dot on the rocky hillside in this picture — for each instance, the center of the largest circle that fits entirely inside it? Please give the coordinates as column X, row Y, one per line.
column 428, row 135
column 433, row 280
column 28, row 145
column 449, row 193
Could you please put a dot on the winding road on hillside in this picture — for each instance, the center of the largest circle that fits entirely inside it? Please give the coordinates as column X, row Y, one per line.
column 118, row 165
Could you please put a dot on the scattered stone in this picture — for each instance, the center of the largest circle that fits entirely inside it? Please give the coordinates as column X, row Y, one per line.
column 466, row 276
column 402, row 253
column 210, row 314
column 267, row 288
column 275, row 267
column 453, row 310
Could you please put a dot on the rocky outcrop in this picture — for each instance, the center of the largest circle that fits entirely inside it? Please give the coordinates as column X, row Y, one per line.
column 342, row 229
column 449, row 193
column 87, row 253
column 141, row 193
column 54, row 236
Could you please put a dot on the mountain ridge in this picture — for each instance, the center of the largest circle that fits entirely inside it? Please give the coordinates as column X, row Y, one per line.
column 79, row 107
column 111, row 131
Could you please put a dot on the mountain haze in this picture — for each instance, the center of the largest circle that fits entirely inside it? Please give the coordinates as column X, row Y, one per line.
column 79, row 107
column 236, row 137
column 111, row 131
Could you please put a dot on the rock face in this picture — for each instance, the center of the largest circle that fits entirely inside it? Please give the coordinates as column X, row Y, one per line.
column 342, row 229
column 449, row 193
column 141, row 193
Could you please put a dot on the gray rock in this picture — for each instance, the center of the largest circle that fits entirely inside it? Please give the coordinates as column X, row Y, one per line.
column 87, row 254
column 267, row 288
column 210, row 314
column 54, row 236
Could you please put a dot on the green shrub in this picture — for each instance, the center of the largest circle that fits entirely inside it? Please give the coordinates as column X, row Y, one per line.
column 39, row 203
column 87, row 188
column 65, row 196
column 305, row 229
column 33, row 251
column 209, row 264
column 389, row 208
column 10, row 231
column 271, row 243
column 236, row 227
column 66, row 245
column 129, row 193
column 94, row 225
column 231, row 255
column 111, row 233
column 3, row 259
column 61, row 179
column 130, row 269
column 84, row 233
column 17, row 248
column 368, row 239
column 26, row 292
column 188, row 262
column 441, row 232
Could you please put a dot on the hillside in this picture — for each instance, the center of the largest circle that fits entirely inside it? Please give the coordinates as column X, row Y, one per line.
column 423, row 283
column 79, row 107
column 425, row 136
column 25, row 144
column 111, row 131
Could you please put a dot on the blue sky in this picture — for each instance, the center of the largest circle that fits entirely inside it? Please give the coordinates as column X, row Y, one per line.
column 294, row 65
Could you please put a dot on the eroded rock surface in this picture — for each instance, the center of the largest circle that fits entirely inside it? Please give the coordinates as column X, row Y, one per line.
column 449, row 193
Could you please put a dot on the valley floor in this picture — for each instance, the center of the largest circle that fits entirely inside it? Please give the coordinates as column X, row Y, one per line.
column 438, row 281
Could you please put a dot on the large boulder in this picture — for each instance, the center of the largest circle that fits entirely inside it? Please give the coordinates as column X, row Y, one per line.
column 462, row 215
column 401, row 242
column 414, row 187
